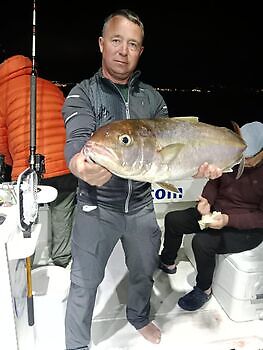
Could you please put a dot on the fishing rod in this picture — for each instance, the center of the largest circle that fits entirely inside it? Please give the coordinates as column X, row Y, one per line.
column 27, row 181
column 32, row 173
column 36, row 161
column 33, row 95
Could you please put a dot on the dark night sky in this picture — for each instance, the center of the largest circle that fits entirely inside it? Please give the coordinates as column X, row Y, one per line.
column 188, row 43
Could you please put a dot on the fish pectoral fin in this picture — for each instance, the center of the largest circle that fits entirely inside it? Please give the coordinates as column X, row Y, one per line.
column 168, row 186
column 170, row 152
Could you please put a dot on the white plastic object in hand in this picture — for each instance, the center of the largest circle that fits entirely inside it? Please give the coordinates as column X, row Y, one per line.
column 207, row 219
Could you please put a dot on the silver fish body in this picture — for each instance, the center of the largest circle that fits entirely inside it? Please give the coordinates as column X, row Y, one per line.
column 163, row 150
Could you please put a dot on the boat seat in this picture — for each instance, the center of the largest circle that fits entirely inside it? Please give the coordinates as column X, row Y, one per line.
column 238, row 281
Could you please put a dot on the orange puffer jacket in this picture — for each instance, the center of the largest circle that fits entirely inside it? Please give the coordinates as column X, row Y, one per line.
column 15, row 76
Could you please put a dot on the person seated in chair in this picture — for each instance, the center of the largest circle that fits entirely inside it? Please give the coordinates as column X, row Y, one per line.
column 236, row 226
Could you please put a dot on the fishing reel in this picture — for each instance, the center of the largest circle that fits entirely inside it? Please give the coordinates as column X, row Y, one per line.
column 27, row 200
column 39, row 165
column 27, row 188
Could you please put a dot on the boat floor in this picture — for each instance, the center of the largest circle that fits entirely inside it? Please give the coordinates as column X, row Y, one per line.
column 208, row 328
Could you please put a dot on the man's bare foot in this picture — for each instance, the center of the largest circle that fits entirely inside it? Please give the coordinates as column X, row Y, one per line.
column 151, row 333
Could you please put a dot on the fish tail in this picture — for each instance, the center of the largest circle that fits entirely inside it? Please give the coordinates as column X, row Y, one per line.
column 241, row 167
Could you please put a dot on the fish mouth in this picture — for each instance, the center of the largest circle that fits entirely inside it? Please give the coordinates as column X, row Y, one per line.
column 95, row 152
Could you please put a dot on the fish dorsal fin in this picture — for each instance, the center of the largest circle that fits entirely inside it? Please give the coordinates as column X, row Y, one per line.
column 168, row 186
column 171, row 151
column 240, row 168
column 191, row 119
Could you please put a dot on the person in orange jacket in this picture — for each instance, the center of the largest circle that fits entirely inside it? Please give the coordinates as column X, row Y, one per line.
column 15, row 76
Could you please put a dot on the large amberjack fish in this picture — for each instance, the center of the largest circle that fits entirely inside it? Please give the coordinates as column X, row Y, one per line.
column 165, row 149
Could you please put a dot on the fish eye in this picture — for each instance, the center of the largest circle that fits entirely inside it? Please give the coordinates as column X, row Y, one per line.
column 125, row 139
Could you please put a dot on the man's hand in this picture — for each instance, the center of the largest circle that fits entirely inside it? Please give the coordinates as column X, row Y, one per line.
column 210, row 171
column 203, row 206
column 88, row 171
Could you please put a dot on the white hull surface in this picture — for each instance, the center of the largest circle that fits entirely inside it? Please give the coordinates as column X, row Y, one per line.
column 209, row 328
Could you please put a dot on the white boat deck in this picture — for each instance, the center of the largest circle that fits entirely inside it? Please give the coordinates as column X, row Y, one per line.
column 209, row 328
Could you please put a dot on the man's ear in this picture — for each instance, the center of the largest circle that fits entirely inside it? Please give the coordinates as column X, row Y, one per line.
column 141, row 50
column 101, row 43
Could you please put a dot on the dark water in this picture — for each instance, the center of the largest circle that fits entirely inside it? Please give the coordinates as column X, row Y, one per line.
column 217, row 107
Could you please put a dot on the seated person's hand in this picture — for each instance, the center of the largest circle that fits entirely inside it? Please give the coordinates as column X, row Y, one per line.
column 88, row 171
column 203, row 206
column 219, row 221
column 210, row 171
column 250, row 162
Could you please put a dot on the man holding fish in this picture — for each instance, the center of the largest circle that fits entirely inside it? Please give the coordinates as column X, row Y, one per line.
column 111, row 208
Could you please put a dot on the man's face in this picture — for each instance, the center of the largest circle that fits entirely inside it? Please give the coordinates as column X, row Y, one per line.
column 121, row 47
